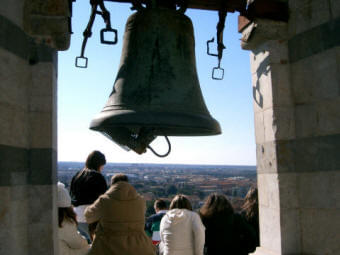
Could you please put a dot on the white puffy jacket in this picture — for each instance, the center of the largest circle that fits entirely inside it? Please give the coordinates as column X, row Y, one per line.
column 182, row 233
column 70, row 241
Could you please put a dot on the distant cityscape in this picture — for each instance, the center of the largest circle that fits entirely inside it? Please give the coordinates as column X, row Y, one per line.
column 155, row 181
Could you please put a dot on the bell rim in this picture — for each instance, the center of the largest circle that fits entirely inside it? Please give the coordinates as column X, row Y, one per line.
column 163, row 123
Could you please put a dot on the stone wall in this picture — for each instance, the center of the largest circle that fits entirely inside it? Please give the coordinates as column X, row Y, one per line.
column 296, row 87
column 28, row 145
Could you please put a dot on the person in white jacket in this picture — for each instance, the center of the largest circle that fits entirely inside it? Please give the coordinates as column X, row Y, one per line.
column 181, row 229
column 70, row 240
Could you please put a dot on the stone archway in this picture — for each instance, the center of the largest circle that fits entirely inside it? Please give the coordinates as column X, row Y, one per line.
column 296, row 85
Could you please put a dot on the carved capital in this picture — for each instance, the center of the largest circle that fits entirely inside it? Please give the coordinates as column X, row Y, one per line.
column 262, row 30
column 48, row 21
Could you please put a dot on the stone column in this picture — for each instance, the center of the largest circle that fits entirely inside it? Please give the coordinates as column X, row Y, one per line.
column 28, row 138
column 296, row 84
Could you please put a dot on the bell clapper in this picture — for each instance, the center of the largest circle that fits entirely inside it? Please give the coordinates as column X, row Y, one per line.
column 159, row 155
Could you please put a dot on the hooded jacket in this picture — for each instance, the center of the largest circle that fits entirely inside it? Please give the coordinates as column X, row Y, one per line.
column 182, row 233
column 70, row 241
column 120, row 230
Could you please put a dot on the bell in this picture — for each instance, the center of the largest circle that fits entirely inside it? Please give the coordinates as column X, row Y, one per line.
column 156, row 91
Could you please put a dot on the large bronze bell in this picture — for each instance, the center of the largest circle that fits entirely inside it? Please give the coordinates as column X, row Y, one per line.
column 156, row 91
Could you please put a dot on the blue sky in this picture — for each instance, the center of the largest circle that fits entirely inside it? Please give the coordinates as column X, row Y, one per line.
column 82, row 94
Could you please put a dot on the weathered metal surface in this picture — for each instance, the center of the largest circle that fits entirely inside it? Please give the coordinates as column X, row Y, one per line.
column 157, row 86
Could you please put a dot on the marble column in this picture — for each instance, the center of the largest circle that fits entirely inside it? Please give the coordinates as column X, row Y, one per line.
column 296, row 87
column 28, row 144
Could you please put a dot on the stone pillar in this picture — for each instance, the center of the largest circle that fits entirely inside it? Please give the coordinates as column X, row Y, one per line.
column 296, row 84
column 28, row 138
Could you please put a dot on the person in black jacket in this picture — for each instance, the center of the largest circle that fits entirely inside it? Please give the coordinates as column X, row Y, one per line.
column 86, row 186
column 226, row 233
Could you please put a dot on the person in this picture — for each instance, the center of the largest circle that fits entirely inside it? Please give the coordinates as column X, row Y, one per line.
column 153, row 222
column 120, row 215
column 70, row 241
column 86, row 186
column 225, row 231
column 250, row 211
column 181, row 229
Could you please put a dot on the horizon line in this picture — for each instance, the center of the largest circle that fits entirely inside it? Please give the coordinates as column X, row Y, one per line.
column 185, row 164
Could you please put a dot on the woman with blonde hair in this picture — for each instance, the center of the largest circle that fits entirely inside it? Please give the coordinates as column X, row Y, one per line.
column 181, row 229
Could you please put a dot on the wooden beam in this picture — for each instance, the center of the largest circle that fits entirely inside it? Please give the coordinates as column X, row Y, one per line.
column 213, row 5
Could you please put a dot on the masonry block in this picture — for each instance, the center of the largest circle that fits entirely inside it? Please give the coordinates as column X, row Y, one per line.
column 15, row 77
column 13, row 126
column 43, row 232
column 314, row 154
column 306, row 14
column 19, row 179
column 335, row 8
column 40, row 210
column 329, row 116
column 259, row 128
column 316, row 78
column 266, row 158
column 262, row 90
column 42, row 104
column 48, row 21
column 18, row 240
column 43, row 79
column 10, row 10
column 268, row 191
column 279, row 123
column 320, row 227
column 6, row 241
column 278, row 51
column 270, row 229
column 5, row 216
column 259, row 59
column 42, row 130
column 43, row 224
column 42, row 167
column 288, row 183
column 319, row 190
column 18, row 211
column 290, row 231
column 285, row 153
column 306, row 120
column 281, row 85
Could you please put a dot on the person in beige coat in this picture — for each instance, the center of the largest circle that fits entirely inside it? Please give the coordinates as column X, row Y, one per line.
column 120, row 216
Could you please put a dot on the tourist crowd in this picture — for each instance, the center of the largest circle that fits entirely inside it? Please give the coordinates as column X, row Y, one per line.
column 98, row 220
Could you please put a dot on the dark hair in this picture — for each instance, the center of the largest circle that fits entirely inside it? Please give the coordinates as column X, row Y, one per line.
column 119, row 178
column 95, row 160
column 216, row 204
column 251, row 205
column 180, row 202
column 160, row 204
column 66, row 213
